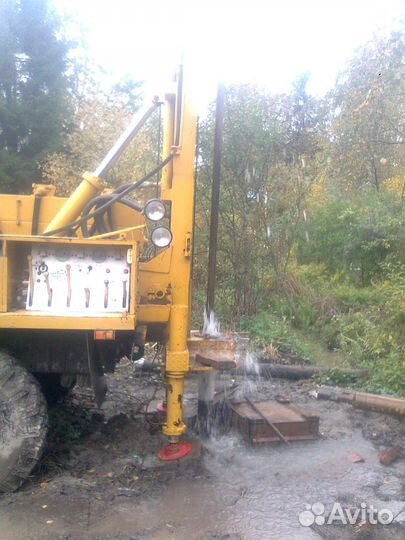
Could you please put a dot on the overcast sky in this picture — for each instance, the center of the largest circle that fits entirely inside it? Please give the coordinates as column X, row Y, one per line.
column 265, row 42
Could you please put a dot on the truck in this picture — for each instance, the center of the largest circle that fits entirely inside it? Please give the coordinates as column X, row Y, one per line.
column 88, row 279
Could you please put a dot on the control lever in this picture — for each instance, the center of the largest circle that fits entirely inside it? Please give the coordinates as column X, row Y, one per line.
column 87, row 296
column 48, row 288
column 106, row 282
column 69, row 285
column 31, row 280
column 124, row 293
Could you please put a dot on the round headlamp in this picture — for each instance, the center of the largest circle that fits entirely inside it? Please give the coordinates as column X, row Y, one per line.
column 155, row 210
column 161, row 237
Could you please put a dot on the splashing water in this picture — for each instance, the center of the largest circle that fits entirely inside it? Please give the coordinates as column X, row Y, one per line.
column 251, row 382
column 212, row 327
column 214, row 417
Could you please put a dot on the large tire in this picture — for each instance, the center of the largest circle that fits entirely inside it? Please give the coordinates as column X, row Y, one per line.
column 23, row 423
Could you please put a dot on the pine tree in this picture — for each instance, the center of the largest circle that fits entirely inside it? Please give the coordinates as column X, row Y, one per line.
column 35, row 99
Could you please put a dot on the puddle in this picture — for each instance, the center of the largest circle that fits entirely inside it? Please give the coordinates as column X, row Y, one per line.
column 256, row 493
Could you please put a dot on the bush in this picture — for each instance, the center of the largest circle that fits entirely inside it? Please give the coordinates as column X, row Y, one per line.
column 266, row 328
column 366, row 323
column 353, row 238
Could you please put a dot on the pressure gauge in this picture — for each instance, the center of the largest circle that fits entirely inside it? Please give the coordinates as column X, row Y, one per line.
column 62, row 254
column 99, row 255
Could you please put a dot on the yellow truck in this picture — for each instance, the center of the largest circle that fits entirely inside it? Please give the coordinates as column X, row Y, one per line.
column 86, row 280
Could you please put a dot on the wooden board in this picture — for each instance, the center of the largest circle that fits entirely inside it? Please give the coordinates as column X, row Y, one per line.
column 293, row 423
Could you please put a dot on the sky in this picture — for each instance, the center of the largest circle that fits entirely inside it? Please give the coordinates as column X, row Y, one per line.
column 264, row 42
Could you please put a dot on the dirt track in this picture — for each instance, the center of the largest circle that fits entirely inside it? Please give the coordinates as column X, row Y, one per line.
column 100, row 478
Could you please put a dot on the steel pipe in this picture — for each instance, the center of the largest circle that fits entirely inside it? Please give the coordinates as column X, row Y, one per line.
column 132, row 130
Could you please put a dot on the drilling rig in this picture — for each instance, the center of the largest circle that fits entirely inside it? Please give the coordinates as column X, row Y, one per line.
column 88, row 279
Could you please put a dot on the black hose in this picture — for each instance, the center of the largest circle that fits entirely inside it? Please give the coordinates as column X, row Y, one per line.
column 35, row 215
column 99, row 219
column 115, row 198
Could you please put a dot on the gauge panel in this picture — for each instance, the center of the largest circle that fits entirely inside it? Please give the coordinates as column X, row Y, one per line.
column 85, row 280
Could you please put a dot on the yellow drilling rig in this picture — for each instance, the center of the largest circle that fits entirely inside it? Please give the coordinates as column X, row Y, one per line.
column 88, row 279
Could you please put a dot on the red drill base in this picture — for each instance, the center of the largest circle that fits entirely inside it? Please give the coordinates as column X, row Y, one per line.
column 174, row 451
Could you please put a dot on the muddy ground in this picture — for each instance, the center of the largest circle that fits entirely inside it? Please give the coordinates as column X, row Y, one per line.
column 100, row 477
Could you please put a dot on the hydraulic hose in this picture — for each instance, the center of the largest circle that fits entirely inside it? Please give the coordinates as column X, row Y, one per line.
column 114, row 199
column 96, row 203
column 104, row 204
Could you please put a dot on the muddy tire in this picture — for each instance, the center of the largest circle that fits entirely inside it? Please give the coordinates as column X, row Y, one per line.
column 23, row 423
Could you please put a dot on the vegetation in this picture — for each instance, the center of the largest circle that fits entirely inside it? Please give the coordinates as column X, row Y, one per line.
column 312, row 222
column 98, row 121
column 312, row 214
column 35, row 90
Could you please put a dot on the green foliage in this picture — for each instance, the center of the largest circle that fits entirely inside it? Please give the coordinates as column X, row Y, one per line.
column 368, row 326
column 35, row 97
column 352, row 238
column 375, row 336
column 367, row 122
column 270, row 146
column 335, row 377
column 312, row 221
column 298, row 310
column 267, row 328
column 98, row 121
column 64, row 427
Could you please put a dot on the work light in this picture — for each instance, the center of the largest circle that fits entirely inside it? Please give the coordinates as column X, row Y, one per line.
column 161, row 237
column 155, row 210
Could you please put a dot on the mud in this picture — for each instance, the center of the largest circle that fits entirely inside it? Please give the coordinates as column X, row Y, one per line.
column 100, row 478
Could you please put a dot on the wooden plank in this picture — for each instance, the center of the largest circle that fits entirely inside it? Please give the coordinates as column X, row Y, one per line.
column 219, row 361
column 273, row 427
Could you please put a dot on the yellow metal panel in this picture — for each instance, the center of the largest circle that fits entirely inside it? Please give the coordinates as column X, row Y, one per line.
column 150, row 313
column 167, row 173
column 3, row 284
column 14, row 246
column 160, row 263
column 16, row 212
column 133, row 294
column 42, row 321
column 65, row 240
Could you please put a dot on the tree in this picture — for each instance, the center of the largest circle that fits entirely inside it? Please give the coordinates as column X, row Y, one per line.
column 270, row 146
column 367, row 117
column 35, row 89
column 98, row 121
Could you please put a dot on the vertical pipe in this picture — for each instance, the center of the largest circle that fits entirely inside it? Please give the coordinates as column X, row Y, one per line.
column 206, row 393
column 216, row 182
column 168, row 134
column 181, row 194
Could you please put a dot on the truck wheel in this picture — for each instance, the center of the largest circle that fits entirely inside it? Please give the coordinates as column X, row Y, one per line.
column 23, row 423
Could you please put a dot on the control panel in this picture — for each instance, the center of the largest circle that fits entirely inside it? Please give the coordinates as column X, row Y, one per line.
column 79, row 279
